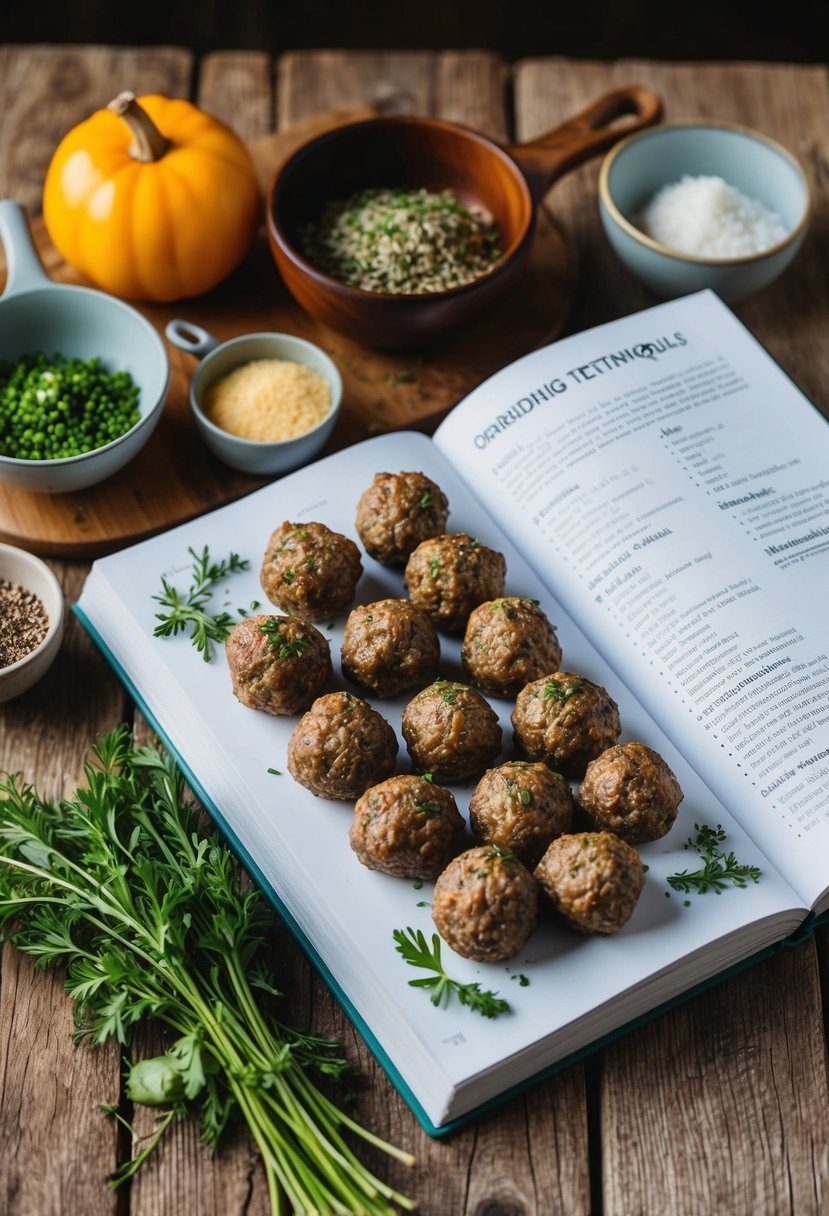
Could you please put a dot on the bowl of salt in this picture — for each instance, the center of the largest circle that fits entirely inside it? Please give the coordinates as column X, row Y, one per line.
column 690, row 205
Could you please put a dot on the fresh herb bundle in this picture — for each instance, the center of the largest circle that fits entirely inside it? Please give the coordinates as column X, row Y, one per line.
column 146, row 910
column 718, row 870
column 189, row 609
column 412, row 944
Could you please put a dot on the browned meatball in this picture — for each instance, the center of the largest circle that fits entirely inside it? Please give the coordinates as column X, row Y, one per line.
column 397, row 512
column 630, row 790
column 310, row 570
column 566, row 721
column 449, row 575
column 486, row 904
column 593, row 878
column 507, row 643
column 451, row 731
column 406, row 826
column 390, row 646
column 340, row 747
column 277, row 663
column 521, row 807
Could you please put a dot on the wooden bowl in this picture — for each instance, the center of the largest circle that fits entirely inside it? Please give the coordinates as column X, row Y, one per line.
column 429, row 153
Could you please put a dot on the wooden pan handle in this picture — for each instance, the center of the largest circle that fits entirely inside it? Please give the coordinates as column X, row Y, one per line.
column 546, row 159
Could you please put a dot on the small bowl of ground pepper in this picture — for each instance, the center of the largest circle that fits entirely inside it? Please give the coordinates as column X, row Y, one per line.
column 31, row 620
column 263, row 403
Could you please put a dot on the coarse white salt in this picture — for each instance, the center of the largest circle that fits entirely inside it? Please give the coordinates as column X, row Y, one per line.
column 707, row 217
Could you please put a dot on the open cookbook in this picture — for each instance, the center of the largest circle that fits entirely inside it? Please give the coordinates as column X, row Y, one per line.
column 660, row 486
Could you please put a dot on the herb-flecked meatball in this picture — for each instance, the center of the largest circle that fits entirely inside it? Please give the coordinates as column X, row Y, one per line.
column 485, row 904
column 310, row 570
column 508, row 642
column 340, row 747
column 406, row 826
column 397, row 512
column 277, row 663
column 390, row 646
column 521, row 807
column 566, row 721
column 630, row 790
column 449, row 575
column 593, row 878
column 451, row 731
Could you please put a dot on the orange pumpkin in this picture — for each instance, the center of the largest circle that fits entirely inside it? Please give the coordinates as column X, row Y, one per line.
column 151, row 198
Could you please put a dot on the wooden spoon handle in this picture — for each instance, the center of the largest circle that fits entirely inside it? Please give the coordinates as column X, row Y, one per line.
column 546, row 159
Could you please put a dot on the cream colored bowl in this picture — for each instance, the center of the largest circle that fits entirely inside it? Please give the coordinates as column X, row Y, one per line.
column 25, row 570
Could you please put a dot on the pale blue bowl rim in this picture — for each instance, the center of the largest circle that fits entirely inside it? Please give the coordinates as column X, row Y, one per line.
column 648, row 242
column 333, row 377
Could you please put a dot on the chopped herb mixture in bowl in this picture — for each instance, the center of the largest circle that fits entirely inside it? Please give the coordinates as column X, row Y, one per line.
column 403, row 241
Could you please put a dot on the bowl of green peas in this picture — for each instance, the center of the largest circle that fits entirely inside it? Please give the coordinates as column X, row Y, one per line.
column 83, row 376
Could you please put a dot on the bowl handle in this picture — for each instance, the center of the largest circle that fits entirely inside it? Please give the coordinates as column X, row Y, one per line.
column 545, row 159
column 24, row 270
column 190, row 338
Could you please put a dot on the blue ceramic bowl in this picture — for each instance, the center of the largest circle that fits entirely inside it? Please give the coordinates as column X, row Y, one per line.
column 258, row 457
column 759, row 168
column 39, row 315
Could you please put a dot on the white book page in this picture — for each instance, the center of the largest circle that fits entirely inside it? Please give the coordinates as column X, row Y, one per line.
column 671, row 484
column 300, row 843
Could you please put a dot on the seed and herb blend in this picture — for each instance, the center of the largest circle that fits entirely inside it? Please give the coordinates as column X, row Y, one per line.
column 402, row 242
column 51, row 408
column 24, row 622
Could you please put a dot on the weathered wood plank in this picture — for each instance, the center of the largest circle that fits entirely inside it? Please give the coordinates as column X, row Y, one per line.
column 237, row 86
column 47, row 90
column 58, row 1149
column 732, row 1115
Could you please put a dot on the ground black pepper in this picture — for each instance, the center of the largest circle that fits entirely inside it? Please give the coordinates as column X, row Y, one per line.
column 24, row 622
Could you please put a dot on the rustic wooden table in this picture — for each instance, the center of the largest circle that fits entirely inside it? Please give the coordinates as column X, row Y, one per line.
column 720, row 1105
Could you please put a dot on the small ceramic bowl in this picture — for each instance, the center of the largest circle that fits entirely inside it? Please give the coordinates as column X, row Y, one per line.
column 22, row 569
column 633, row 172
column 220, row 358
column 39, row 315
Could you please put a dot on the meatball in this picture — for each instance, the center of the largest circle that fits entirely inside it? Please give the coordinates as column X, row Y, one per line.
column 340, row 747
column 310, row 570
column 397, row 512
column 406, row 826
column 507, row 643
column 451, row 731
column 390, row 647
column 593, row 878
column 566, row 721
column 486, row 904
column 521, row 807
column 277, row 663
column 449, row 575
column 630, row 790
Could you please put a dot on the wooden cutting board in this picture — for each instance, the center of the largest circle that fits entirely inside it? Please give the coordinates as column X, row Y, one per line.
column 175, row 478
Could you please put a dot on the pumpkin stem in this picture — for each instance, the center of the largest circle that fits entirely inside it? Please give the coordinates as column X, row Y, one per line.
column 148, row 144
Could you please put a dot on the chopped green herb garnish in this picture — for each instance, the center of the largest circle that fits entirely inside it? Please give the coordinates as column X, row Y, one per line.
column 554, row 691
column 427, row 499
column 429, row 808
column 188, row 610
column 412, row 945
column 275, row 772
column 718, row 870
column 285, row 649
column 434, row 566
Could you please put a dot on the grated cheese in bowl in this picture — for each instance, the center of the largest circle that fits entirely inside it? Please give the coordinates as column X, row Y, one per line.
column 268, row 400
column 707, row 217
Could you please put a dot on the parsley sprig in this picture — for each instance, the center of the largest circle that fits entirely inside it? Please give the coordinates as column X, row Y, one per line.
column 188, row 609
column 146, row 910
column 412, row 944
column 718, row 869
